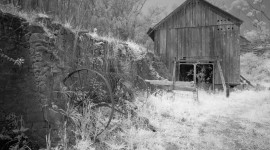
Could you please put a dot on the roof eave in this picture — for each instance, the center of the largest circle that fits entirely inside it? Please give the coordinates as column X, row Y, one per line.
column 151, row 33
column 239, row 21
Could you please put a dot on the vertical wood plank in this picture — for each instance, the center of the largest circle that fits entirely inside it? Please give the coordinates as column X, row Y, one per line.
column 179, row 40
column 200, row 40
column 206, row 11
column 168, row 48
column 157, row 40
column 207, row 41
column 188, row 16
column 230, row 59
column 177, row 19
column 184, row 42
column 171, row 48
column 234, row 56
column 212, row 41
column 189, row 35
column 198, row 14
column 163, row 40
column 203, row 14
column 203, row 41
column 175, row 43
column 196, row 42
column 187, row 42
column 193, row 12
column 237, row 56
column 227, row 56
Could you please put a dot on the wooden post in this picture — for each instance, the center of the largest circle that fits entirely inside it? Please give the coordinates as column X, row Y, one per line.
column 174, row 72
column 222, row 78
column 228, row 91
column 195, row 74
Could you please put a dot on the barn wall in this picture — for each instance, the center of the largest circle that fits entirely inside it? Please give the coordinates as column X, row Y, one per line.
column 200, row 30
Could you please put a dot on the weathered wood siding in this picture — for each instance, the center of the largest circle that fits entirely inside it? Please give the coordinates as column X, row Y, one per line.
column 198, row 30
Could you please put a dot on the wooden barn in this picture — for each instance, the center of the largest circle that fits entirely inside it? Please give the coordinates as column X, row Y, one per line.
column 204, row 42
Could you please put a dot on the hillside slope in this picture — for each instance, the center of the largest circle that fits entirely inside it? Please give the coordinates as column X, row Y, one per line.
column 256, row 68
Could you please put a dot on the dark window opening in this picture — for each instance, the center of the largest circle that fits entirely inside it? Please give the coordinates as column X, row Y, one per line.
column 186, row 72
column 204, row 74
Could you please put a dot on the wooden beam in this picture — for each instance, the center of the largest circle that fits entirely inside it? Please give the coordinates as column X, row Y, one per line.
column 222, row 77
column 196, row 60
column 195, row 74
column 174, row 73
column 248, row 82
column 159, row 82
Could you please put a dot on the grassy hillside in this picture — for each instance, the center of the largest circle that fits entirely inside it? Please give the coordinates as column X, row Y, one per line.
column 256, row 68
column 164, row 120
column 239, row 122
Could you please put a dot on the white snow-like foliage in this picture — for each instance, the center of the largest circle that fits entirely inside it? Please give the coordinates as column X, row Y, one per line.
column 182, row 105
column 138, row 51
column 256, row 68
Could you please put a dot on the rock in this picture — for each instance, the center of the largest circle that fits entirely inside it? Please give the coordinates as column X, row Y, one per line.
column 36, row 29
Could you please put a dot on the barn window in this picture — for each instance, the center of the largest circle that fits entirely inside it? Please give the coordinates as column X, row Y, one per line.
column 186, row 72
column 204, row 74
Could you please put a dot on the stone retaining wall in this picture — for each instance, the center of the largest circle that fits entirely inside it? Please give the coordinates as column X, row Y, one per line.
column 51, row 52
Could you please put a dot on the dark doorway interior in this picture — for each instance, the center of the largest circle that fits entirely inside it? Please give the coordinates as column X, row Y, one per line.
column 204, row 74
column 186, row 72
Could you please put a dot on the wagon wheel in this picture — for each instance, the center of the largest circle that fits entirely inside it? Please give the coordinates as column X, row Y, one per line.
column 89, row 86
column 127, row 87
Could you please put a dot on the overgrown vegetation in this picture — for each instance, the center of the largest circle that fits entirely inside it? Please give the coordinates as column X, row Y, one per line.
column 163, row 120
column 119, row 19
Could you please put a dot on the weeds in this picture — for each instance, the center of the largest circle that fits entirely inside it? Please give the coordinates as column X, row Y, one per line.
column 13, row 135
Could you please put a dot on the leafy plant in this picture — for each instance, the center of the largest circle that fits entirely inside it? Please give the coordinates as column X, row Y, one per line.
column 18, row 61
column 14, row 134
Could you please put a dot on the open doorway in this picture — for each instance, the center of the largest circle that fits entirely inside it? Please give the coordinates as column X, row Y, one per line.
column 204, row 74
column 186, row 72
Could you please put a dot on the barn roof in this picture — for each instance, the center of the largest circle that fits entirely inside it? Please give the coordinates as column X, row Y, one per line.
column 151, row 30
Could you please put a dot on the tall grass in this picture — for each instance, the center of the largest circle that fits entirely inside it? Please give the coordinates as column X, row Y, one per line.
column 256, row 68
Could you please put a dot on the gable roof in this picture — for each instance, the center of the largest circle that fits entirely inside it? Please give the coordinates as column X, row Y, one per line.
column 150, row 31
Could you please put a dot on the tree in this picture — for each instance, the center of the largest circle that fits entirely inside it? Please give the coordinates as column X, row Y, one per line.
column 255, row 10
column 123, row 19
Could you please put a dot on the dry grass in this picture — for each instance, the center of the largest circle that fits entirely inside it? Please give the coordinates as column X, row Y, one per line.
column 256, row 68
column 214, row 123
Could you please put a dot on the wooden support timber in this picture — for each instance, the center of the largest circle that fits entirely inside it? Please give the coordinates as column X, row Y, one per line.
column 226, row 90
column 246, row 81
column 174, row 73
column 177, row 85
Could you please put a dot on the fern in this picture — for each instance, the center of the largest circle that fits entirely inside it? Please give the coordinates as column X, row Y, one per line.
column 18, row 61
